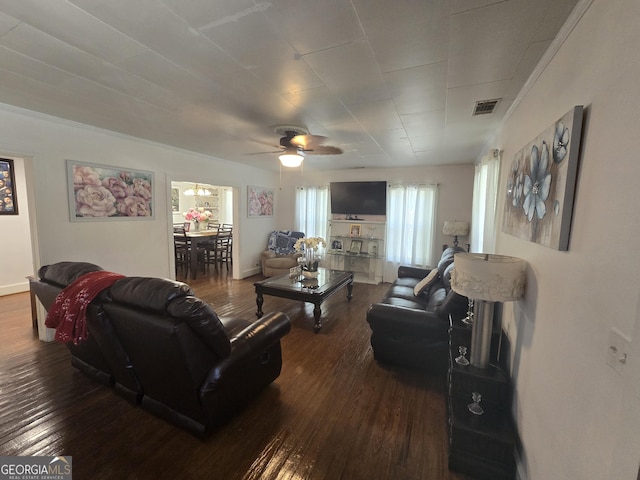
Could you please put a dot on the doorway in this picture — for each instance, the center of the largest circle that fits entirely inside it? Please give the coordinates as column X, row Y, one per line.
column 18, row 245
column 216, row 200
column 212, row 204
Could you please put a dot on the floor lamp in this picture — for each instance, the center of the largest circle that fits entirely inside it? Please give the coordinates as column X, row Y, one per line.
column 486, row 279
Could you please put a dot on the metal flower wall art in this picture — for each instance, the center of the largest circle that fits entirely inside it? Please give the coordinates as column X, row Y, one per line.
column 541, row 184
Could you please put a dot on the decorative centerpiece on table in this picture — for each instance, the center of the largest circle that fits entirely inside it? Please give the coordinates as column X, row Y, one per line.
column 197, row 216
column 309, row 261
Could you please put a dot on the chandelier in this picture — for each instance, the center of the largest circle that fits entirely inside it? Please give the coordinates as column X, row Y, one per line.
column 197, row 191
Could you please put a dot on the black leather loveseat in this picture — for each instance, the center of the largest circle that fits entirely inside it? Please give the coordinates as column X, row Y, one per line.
column 410, row 329
column 166, row 350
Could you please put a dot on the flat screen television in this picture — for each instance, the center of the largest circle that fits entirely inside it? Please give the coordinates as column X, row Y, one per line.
column 358, row 198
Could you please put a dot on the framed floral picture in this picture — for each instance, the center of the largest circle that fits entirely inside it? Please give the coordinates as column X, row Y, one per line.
column 542, row 183
column 259, row 202
column 8, row 200
column 102, row 192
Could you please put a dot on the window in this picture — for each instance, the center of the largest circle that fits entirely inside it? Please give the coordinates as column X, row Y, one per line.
column 411, row 221
column 312, row 207
column 485, row 197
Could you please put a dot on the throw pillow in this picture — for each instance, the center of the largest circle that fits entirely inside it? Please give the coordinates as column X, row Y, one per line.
column 284, row 244
column 426, row 282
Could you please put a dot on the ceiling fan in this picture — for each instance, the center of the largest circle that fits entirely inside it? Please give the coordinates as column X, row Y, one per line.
column 297, row 142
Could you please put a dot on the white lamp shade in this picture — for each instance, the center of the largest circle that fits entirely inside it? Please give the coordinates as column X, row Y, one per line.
column 291, row 160
column 493, row 278
column 455, row 228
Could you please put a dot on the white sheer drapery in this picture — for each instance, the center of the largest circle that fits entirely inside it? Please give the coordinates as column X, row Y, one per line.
column 485, row 198
column 312, row 211
column 411, row 227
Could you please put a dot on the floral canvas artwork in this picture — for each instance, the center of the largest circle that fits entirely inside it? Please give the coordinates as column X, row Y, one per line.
column 99, row 192
column 541, row 184
column 259, row 202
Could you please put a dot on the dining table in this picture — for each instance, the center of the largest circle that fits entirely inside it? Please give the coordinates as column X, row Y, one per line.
column 196, row 238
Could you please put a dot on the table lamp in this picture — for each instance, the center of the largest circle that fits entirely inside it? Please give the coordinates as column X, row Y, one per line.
column 487, row 279
column 455, row 228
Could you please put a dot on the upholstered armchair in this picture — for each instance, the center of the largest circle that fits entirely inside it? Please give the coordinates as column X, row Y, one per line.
column 280, row 255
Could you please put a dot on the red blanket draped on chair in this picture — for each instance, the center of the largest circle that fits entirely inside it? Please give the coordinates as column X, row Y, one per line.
column 68, row 314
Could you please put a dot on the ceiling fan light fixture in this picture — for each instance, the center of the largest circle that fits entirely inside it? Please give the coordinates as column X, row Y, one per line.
column 291, row 160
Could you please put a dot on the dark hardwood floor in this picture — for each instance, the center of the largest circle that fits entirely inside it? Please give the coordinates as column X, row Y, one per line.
column 334, row 413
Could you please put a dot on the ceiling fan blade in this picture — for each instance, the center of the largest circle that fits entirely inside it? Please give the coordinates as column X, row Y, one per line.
column 263, row 153
column 299, row 140
column 323, row 150
column 262, row 142
column 308, row 141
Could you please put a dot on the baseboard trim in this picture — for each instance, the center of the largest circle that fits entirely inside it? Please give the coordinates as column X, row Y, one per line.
column 251, row 272
column 15, row 288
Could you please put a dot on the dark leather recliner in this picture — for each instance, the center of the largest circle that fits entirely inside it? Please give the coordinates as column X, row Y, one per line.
column 166, row 350
column 412, row 330
column 196, row 369
column 101, row 356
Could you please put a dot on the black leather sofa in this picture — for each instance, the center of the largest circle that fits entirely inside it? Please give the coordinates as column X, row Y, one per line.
column 412, row 330
column 167, row 351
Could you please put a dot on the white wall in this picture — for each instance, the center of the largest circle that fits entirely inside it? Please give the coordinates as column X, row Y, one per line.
column 130, row 247
column 144, row 247
column 455, row 190
column 576, row 417
column 17, row 259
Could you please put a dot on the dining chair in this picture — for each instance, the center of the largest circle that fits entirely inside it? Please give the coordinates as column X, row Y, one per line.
column 230, row 227
column 209, row 245
column 182, row 250
column 222, row 248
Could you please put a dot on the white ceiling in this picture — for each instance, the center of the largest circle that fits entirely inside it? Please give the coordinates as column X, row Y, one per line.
column 391, row 82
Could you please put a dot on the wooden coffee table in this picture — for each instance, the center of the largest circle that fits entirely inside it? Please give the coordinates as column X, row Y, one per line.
column 313, row 291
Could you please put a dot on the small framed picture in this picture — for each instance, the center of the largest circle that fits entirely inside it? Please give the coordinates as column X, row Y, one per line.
column 354, row 229
column 187, row 226
column 295, row 271
column 175, row 200
column 336, row 245
column 356, row 247
column 8, row 200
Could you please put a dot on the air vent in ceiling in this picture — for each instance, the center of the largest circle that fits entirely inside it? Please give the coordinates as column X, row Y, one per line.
column 484, row 107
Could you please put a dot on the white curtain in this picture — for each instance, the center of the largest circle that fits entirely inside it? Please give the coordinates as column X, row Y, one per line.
column 411, row 227
column 485, row 198
column 312, row 211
